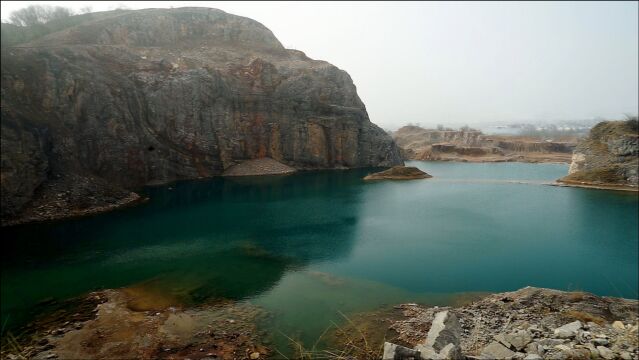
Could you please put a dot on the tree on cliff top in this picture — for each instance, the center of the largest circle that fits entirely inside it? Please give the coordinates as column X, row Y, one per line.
column 38, row 14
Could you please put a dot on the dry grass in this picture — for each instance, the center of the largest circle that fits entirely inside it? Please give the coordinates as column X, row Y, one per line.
column 584, row 317
column 352, row 347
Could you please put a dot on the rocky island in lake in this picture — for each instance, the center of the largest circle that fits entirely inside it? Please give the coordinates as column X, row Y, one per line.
column 399, row 173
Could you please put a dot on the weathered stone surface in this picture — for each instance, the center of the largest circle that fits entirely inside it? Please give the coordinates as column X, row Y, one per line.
column 150, row 96
column 444, row 330
column 495, row 350
column 605, row 353
column 536, row 312
column 451, row 351
column 568, row 330
column 398, row 352
column 533, row 357
column 263, row 166
column 518, row 340
column 618, row 325
column 608, row 156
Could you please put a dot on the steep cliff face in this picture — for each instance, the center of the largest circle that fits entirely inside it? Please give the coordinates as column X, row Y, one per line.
column 149, row 96
column 609, row 156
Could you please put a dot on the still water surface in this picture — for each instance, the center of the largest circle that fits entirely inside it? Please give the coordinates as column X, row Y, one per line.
column 309, row 245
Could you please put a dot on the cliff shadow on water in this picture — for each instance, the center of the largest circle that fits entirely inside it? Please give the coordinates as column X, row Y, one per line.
column 193, row 241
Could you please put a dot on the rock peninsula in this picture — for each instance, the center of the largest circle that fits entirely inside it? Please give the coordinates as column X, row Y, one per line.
column 608, row 158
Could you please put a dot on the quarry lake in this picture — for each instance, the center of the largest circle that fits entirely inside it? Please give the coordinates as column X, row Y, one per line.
column 310, row 245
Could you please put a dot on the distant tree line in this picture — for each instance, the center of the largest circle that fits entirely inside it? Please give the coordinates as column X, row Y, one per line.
column 34, row 21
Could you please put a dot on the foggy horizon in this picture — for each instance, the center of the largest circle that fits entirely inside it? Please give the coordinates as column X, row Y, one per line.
column 457, row 63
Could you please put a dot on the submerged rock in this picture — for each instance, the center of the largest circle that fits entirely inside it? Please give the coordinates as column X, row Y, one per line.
column 399, row 173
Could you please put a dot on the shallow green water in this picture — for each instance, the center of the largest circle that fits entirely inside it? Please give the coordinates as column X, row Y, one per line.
column 309, row 245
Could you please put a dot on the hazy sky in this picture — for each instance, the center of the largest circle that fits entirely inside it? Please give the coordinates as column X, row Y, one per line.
column 455, row 62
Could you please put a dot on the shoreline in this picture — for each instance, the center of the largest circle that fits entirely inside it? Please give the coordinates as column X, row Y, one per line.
column 516, row 323
column 132, row 200
column 585, row 185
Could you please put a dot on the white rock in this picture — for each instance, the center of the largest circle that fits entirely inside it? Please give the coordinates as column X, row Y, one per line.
column 605, row 353
column 568, row 330
column 618, row 325
column 533, row 357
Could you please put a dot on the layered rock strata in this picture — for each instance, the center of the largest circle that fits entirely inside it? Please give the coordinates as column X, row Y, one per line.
column 130, row 98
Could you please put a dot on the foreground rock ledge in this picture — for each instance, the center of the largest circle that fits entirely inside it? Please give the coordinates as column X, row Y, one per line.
column 531, row 323
column 399, row 173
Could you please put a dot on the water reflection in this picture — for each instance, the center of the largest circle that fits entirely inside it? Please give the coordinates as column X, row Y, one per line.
column 231, row 238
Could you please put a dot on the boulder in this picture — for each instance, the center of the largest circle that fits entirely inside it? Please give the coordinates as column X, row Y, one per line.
column 444, row 330
column 398, row 352
column 605, row 353
column 518, row 340
column 495, row 350
column 569, row 330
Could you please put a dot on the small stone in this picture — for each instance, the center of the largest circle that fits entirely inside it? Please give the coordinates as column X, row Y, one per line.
column 600, row 342
column 605, row 353
column 533, row 357
column 568, row 331
column 625, row 355
column 501, row 338
column 495, row 350
column 519, row 340
column 618, row 325
column 532, row 348
column 393, row 351
column 563, row 348
column 594, row 353
column 254, row 355
column 550, row 342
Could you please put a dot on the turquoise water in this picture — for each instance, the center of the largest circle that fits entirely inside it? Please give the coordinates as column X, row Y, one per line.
column 309, row 245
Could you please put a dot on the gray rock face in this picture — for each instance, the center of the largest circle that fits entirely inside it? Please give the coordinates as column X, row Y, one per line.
column 150, row 96
column 609, row 155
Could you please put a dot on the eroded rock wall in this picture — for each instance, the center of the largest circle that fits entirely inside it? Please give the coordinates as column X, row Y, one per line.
column 150, row 96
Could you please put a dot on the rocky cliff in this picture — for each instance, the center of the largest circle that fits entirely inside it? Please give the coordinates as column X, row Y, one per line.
column 130, row 98
column 417, row 143
column 608, row 156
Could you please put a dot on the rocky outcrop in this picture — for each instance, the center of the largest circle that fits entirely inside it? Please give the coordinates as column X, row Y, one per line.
column 399, row 173
column 609, row 156
column 530, row 323
column 417, row 143
column 148, row 96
